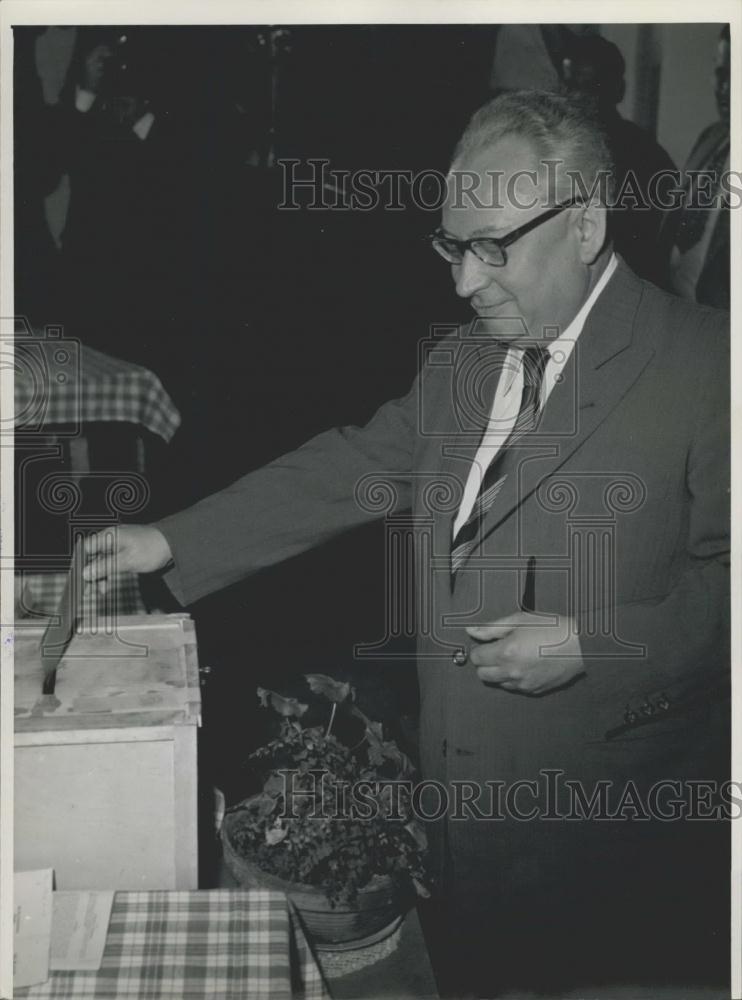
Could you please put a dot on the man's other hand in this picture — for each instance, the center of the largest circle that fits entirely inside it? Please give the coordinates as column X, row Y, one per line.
column 528, row 653
column 130, row 548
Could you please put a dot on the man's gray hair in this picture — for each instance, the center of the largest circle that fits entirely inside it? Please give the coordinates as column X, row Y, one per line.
column 560, row 127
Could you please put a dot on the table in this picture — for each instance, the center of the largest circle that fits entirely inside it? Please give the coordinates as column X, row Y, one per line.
column 69, row 400
column 60, row 383
column 203, row 945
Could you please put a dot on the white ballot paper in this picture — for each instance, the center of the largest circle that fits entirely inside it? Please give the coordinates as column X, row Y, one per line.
column 79, row 929
column 32, row 919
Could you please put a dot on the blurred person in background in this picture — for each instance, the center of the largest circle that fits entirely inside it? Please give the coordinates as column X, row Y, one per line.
column 37, row 168
column 594, row 68
column 699, row 265
column 120, row 242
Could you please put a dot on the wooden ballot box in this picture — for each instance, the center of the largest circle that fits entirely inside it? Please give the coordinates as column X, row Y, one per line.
column 105, row 768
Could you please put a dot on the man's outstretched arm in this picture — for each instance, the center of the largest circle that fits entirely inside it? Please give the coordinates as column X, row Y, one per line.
column 294, row 503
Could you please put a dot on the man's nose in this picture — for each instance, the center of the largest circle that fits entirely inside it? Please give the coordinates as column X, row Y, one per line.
column 471, row 275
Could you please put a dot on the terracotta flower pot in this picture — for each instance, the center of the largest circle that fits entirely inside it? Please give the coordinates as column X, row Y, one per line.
column 378, row 903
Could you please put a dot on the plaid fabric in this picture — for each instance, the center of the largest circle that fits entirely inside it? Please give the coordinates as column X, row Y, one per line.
column 65, row 383
column 40, row 593
column 218, row 945
column 310, row 982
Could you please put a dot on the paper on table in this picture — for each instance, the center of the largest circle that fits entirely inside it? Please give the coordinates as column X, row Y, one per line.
column 32, row 921
column 79, row 929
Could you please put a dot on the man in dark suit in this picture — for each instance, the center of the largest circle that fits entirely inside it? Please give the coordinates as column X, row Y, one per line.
column 594, row 67
column 699, row 233
column 565, row 457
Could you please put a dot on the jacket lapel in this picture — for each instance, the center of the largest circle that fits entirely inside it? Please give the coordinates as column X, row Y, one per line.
column 605, row 363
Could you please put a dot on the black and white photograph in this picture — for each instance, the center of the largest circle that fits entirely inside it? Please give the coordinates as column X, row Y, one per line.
column 367, row 501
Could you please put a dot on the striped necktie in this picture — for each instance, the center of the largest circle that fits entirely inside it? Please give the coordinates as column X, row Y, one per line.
column 467, row 538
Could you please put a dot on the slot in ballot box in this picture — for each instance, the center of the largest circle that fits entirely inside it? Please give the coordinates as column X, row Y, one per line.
column 105, row 768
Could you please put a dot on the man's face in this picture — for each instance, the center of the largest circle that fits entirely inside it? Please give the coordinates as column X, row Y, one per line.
column 721, row 80
column 544, row 281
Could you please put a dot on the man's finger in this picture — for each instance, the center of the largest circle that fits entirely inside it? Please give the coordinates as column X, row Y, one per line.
column 504, row 626
column 100, row 543
column 486, row 633
column 496, row 675
column 99, row 568
column 498, row 629
column 94, row 570
column 502, row 677
column 512, row 686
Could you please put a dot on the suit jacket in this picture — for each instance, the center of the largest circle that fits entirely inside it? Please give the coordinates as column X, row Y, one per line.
column 621, row 497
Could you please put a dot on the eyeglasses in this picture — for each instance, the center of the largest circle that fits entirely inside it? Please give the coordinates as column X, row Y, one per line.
column 489, row 249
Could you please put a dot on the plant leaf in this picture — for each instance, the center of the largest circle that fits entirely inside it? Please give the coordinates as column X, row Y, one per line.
column 374, row 732
column 417, row 833
column 421, row 889
column 275, row 834
column 264, row 804
column 274, row 785
column 284, row 706
column 220, row 805
column 331, row 689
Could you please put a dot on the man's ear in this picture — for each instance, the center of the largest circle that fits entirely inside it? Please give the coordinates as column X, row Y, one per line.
column 592, row 231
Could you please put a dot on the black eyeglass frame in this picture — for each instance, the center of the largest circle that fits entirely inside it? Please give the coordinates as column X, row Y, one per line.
column 501, row 242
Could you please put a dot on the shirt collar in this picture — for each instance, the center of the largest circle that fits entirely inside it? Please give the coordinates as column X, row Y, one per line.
column 574, row 329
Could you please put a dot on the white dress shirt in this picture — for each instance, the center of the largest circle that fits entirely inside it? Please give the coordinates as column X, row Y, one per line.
column 509, row 393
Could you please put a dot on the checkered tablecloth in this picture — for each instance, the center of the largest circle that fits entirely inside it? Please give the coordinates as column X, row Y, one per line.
column 62, row 382
column 40, row 594
column 212, row 945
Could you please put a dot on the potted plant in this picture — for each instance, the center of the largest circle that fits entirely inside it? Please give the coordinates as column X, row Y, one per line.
column 333, row 825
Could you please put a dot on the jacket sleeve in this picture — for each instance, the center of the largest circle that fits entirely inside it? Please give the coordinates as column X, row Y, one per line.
column 292, row 504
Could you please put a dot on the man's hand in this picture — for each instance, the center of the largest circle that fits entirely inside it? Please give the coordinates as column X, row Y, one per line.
column 131, row 548
column 519, row 653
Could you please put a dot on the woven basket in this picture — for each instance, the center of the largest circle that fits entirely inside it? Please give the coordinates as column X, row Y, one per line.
column 377, row 905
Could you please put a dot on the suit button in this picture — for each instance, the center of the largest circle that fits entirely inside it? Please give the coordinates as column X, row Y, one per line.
column 460, row 657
